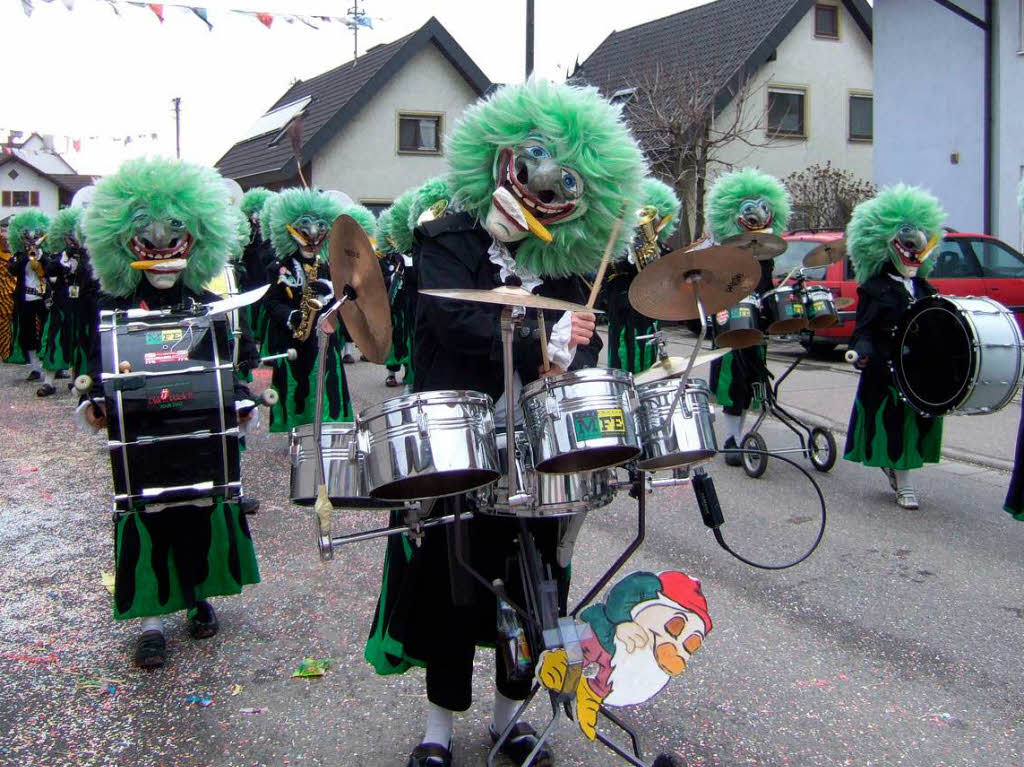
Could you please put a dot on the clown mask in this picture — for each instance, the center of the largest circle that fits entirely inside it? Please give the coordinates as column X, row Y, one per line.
column 909, row 249
column 755, row 215
column 309, row 232
column 161, row 248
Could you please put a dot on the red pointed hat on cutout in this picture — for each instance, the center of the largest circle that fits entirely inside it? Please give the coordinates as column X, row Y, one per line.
column 685, row 591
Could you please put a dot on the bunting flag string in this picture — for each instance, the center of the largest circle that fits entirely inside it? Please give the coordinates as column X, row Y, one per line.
column 75, row 142
column 266, row 18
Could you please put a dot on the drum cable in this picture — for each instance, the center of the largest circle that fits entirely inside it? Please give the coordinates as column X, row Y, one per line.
column 711, row 511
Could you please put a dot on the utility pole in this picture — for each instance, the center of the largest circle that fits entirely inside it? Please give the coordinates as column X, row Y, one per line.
column 355, row 19
column 177, row 126
column 529, row 38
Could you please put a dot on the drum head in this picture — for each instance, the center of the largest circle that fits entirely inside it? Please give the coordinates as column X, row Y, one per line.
column 822, row 321
column 935, row 365
column 783, row 327
column 588, row 459
column 739, row 339
column 435, row 485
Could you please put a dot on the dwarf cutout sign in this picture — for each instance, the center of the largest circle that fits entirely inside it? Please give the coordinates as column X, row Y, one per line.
column 641, row 636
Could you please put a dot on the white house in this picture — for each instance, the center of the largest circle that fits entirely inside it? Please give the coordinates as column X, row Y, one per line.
column 33, row 175
column 372, row 128
column 804, row 68
column 935, row 89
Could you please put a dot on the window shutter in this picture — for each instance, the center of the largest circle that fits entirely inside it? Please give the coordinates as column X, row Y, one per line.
column 33, row 199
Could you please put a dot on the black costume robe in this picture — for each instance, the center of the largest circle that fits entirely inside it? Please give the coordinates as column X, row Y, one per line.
column 167, row 560
column 734, row 375
column 295, row 381
column 625, row 323
column 884, row 430
column 72, row 320
column 430, row 612
column 29, row 305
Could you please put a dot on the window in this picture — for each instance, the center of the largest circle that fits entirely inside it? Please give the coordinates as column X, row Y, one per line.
column 950, row 261
column 861, row 117
column 826, row 21
column 786, row 112
column 20, row 199
column 419, row 133
column 794, row 256
column 996, row 259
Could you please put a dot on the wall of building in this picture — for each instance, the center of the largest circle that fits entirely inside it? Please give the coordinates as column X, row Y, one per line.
column 363, row 159
column 929, row 68
column 829, row 70
column 27, row 181
column 1008, row 109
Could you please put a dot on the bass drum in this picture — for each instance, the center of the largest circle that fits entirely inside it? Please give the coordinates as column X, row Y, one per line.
column 958, row 355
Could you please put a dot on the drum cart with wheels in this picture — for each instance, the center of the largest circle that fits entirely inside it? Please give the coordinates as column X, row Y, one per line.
column 816, row 442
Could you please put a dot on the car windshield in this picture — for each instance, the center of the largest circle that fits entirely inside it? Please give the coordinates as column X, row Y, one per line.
column 794, row 255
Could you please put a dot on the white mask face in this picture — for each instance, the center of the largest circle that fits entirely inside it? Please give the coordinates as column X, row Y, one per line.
column 161, row 280
column 504, row 227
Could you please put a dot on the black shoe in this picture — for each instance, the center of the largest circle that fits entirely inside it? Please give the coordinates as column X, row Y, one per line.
column 520, row 742
column 62, row 374
column 35, row 375
column 202, row 624
column 731, row 459
column 46, row 390
column 348, row 359
column 363, row 358
column 391, row 380
column 150, row 650
column 248, row 504
column 430, row 755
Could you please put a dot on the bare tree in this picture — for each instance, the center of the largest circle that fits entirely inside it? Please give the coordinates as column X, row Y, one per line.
column 675, row 114
column 824, row 196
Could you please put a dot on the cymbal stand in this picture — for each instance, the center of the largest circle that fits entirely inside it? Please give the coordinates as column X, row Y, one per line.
column 694, row 278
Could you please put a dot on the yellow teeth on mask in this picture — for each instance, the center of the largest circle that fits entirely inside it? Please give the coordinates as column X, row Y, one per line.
column 536, row 227
column 161, row 265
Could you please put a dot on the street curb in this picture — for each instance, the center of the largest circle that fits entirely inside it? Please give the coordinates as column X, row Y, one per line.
column 952, row 453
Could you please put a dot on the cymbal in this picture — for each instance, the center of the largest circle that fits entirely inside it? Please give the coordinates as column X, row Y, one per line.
column 354, row 264
column 665, row 290
column 826, row 253
column 508, row 295
column 672, row 367
column 844, row 302
column 764, row 245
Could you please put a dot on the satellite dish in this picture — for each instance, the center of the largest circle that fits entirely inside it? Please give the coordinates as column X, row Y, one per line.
column 343, row 199
column 83, row 197
column 234, row 190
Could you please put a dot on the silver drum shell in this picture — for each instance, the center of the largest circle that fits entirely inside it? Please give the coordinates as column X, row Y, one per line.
column 554, row 495
column 689, row 439
column 343, row 476
column 552, row 407
column 428, row 445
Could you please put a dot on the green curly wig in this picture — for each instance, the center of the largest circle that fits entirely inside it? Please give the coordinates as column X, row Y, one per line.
column 730, row 190
column 243, row 233
column 663, row 198
column 383, row 232
column 583, row 131
column 67, row 221
column 290, row 205
column 27, row 220
column 162, row 188
column 434, row 190
column 363, row 216
column 876, row 222
column 254, row 200
column 401, row 232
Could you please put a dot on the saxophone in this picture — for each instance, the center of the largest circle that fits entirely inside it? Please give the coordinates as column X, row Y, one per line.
column 308, row 305
column 648, row 226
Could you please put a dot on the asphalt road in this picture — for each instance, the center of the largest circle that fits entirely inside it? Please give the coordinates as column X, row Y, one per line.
column 900, row 642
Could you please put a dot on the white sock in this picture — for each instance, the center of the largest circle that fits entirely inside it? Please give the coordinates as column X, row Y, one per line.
column 152, row 624
column 33, row 361
column 48, row 377
column 903, row 480
column 504, row 710
column 350, row 348
column 439, row 725
column 734, row 426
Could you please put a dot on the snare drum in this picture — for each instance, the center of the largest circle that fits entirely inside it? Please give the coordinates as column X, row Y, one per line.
column 169, row 388
column 582, row 420
column 346, row 485
column 428, row 445
column 739, row 326
column 957, row 356
column 688, row 438
column 820, row 308
column 784, row 310
column 554, row 495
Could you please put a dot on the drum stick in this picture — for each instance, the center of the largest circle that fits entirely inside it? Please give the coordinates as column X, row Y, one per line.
column 596, row 287
column 545, row 360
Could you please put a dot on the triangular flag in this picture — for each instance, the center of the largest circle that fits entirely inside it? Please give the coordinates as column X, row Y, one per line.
column 266, row 19
column 201, row 13
column 158, row 9
column 26, row 6
column 69, row 4
column 77, row 144
column 305, row 20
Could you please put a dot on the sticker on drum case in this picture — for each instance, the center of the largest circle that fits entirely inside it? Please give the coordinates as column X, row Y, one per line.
column 159, row 337
column 594, row 424
column 159, row 358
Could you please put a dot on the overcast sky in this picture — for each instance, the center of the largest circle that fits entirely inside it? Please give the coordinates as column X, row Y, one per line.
column 88, row 72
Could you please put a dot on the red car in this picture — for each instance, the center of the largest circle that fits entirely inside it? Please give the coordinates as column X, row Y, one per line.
column 962, row 265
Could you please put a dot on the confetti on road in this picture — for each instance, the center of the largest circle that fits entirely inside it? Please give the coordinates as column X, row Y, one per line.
column 196, row 700
column 312, row 667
